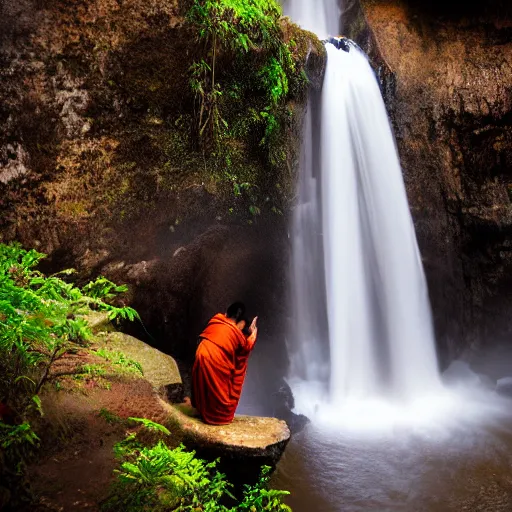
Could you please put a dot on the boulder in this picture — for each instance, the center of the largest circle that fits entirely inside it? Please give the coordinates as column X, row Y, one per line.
column 246, row 444
column 460, row 372
column 160, row 369
column 98, row 321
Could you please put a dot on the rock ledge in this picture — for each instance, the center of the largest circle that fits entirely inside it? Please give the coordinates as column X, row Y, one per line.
column 253, row 439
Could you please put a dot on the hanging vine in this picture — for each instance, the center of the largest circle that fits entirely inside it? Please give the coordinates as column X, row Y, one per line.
column 232, row 29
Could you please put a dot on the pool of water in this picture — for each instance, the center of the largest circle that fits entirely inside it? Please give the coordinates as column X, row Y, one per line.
column 461, row 460
column 450, row 451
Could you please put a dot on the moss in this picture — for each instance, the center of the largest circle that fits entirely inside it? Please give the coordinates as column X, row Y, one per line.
column 73, row 210
column 159, row 368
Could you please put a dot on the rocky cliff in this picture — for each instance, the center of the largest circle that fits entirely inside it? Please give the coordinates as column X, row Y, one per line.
column 101, row 166
column 98, row 142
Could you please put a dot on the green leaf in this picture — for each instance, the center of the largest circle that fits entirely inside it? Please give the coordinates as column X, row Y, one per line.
column 151, row 425
column 20, row 377
column 38, row 403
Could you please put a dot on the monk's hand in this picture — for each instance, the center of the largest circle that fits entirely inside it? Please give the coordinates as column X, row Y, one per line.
column 253, row 327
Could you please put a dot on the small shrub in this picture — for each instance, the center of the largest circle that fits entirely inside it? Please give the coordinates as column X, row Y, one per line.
column 159, row 478
column 17, row 443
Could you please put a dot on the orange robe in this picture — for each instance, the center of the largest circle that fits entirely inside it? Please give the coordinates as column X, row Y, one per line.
column 219, row 370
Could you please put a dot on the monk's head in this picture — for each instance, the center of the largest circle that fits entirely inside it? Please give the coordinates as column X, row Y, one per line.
column 236, row 311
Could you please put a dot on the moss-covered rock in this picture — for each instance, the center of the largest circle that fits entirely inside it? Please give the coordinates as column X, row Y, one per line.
column 159, row 369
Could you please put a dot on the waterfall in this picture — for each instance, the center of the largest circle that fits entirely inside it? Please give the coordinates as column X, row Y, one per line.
column 318, row 16
column 379, row 318
column 309, row 350
column 374, row 295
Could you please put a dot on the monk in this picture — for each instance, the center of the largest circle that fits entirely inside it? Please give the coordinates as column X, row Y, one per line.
column 221, row 364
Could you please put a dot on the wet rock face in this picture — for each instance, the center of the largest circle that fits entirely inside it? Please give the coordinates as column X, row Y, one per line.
column 460, row 9
column 67, row 115
column 447, row 80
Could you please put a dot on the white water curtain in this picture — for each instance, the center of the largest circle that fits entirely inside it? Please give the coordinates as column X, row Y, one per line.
column 319, row 16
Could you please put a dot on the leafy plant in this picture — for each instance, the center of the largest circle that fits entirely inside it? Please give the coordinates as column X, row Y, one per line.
column 260, row 497
column 247, row 75
column 41, row 318
column 151, row 425
column 163, row 479
column 17, row 442
column 231, row 30
column 97, row 294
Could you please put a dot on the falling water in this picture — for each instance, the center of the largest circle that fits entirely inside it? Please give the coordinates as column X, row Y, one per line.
column 380, row 327
column 309, row 353
column 318, row 16
column 375, row 295
column 386, row 434
column 309, row 349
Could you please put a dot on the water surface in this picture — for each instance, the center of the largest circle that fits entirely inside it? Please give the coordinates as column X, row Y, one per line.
column 461, row 460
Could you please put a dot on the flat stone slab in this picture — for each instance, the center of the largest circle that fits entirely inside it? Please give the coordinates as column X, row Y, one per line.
column 160, row 369
column 262, row 440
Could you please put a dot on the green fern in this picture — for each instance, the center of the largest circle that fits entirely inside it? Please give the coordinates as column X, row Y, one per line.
column 17, row 443
column 159, row 478
column 41, row 318
column 151, row 425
